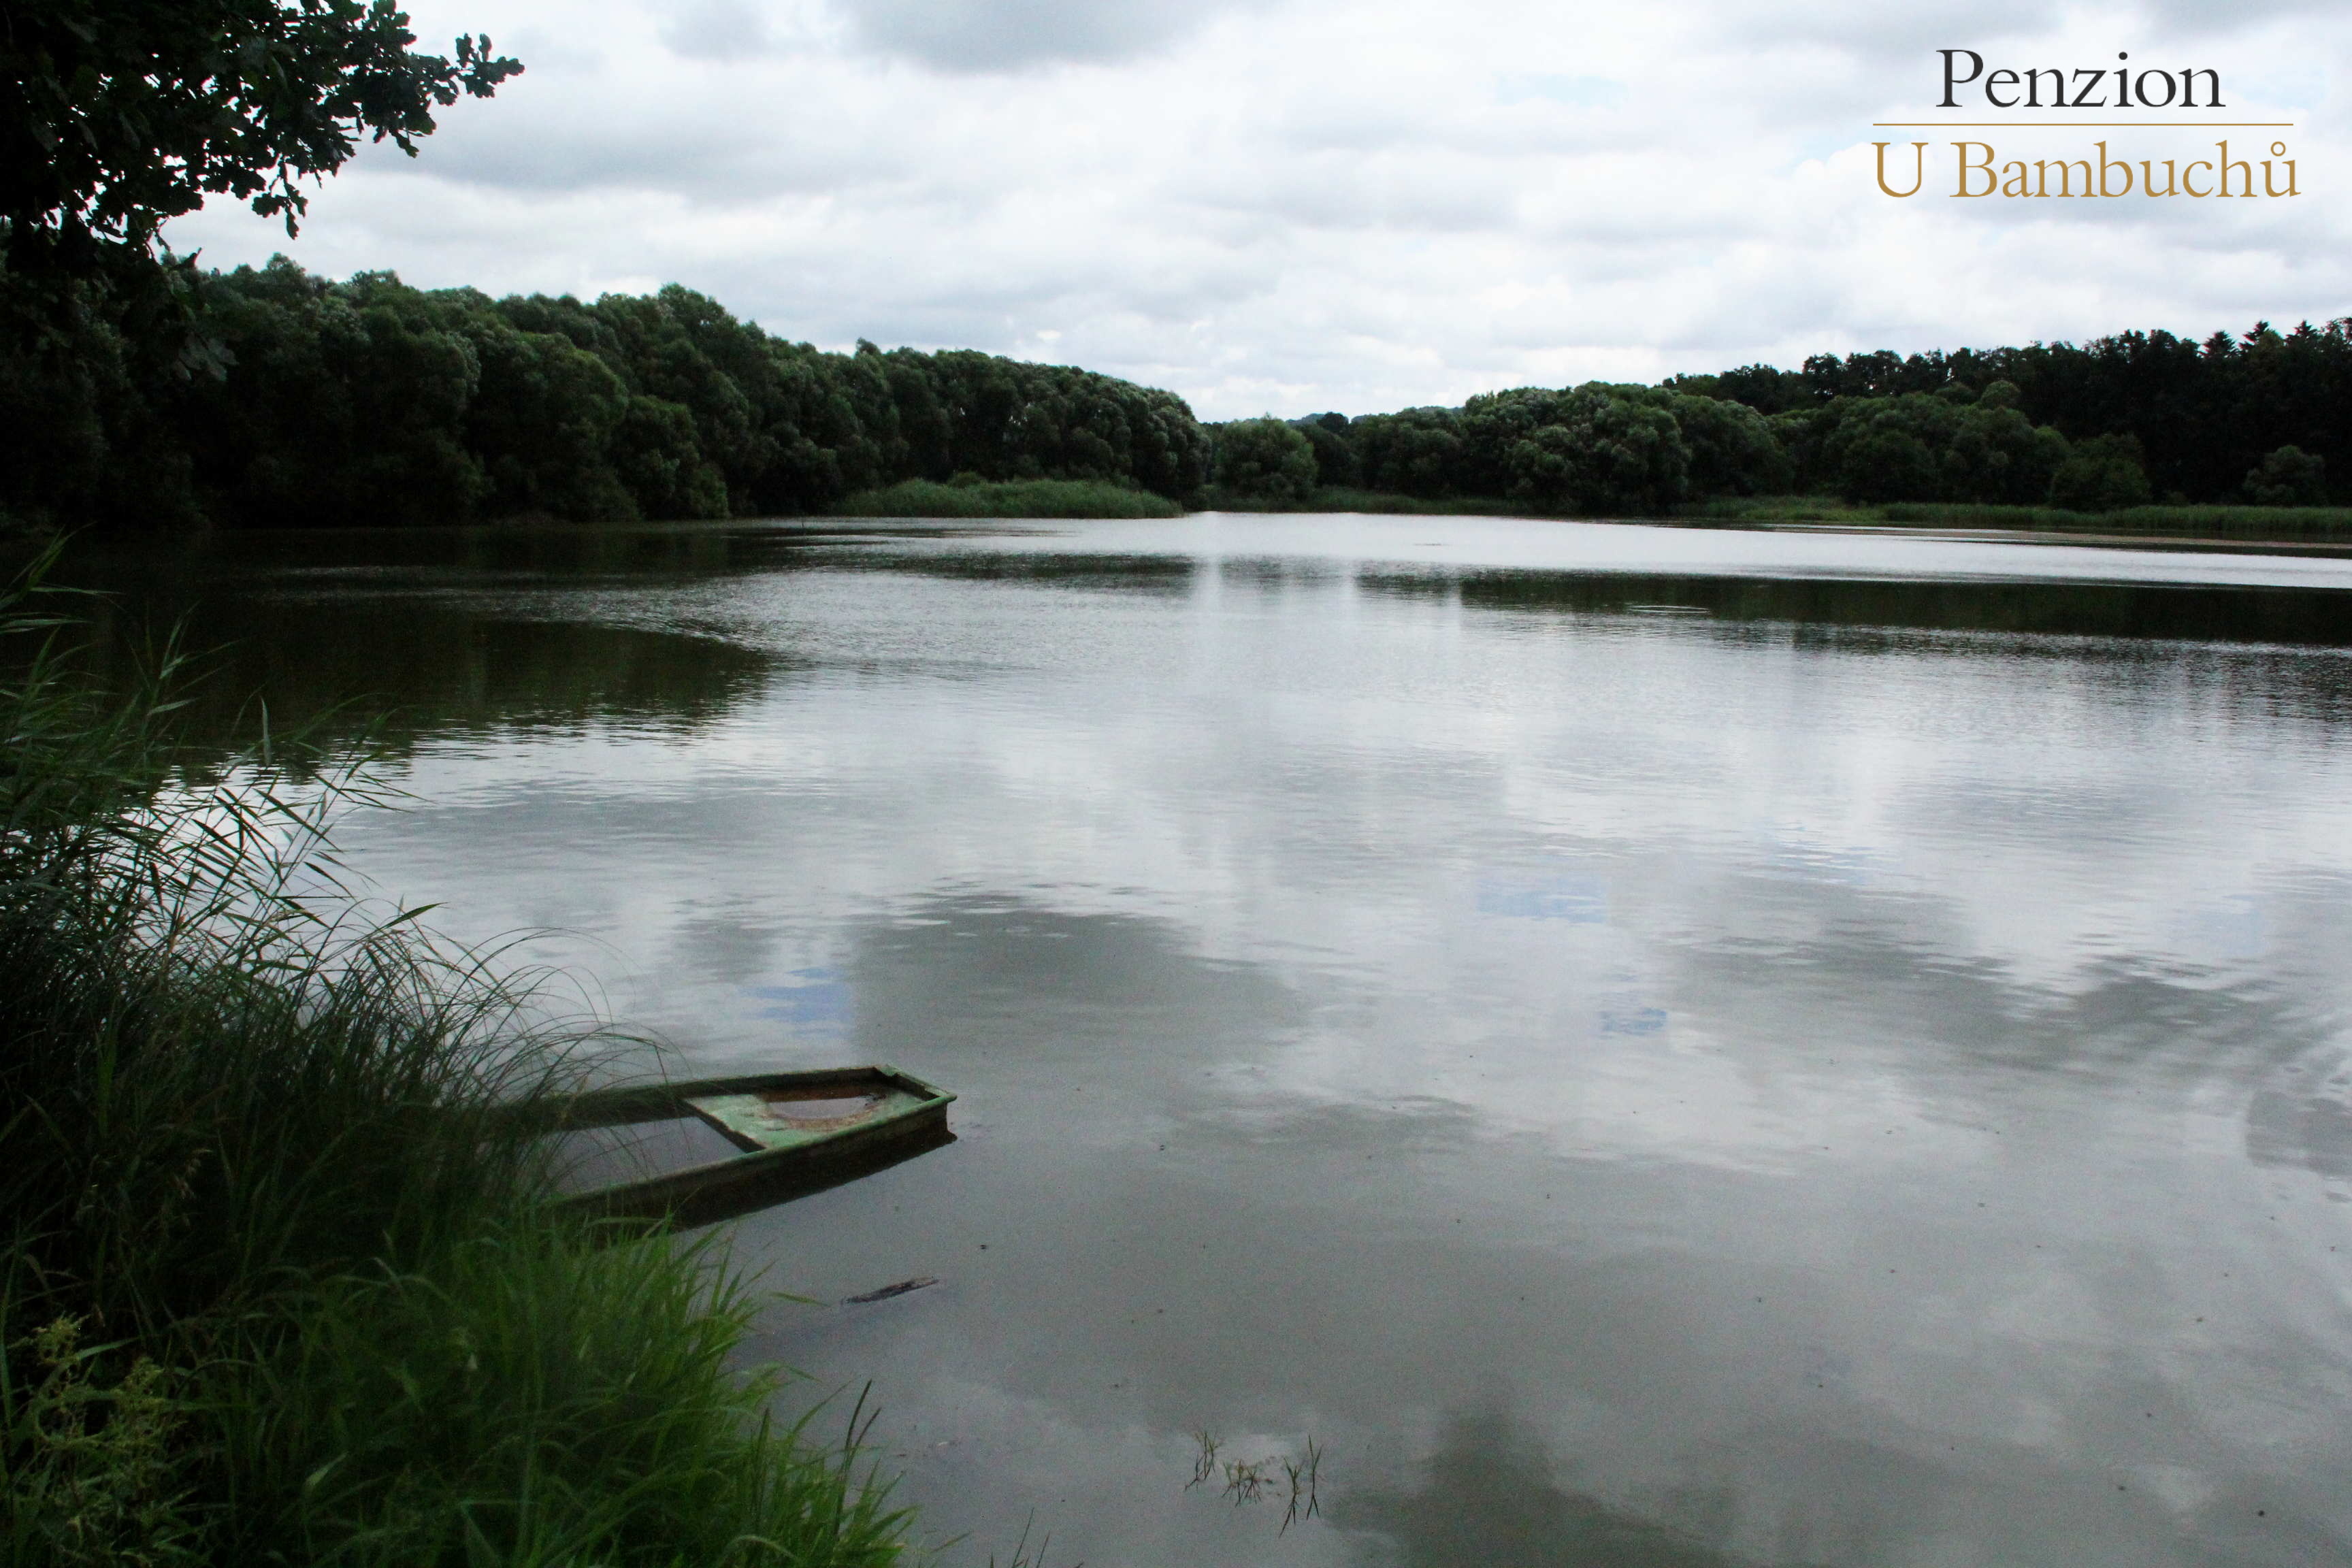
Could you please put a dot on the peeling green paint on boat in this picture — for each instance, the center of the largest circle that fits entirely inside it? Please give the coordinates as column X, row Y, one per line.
column 787, row 1118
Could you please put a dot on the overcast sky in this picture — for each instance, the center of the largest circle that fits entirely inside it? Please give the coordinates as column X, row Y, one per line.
column 1290, row 205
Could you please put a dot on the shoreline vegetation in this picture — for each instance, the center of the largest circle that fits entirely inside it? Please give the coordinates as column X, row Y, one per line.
column 370, row 403
column 2301, row 524
column 969, row 496
column 1064, row 498
column 281, row 1279
column 2323, row 524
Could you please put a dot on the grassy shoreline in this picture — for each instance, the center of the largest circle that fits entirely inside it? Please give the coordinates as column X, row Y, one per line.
column 2190, row 522
column 968, row 498
column 2317, row 524
column 1375, row 503
column 281, row 1281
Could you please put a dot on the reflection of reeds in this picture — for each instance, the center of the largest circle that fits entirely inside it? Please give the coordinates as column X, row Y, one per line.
column 1245, row 1478
column 1302, row 1474
column 1205, row 1463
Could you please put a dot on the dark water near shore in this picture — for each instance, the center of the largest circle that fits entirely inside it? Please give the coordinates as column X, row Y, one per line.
column 1649, row 1047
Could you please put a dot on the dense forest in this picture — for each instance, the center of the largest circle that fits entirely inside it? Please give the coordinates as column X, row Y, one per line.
column 2263, row 418
column 370, row 402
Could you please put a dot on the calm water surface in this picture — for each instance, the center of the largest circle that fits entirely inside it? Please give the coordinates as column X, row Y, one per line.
column 1648, row 1046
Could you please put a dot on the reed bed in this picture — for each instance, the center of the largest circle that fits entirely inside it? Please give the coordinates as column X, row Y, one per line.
column 969, row 498
column 281, row 1280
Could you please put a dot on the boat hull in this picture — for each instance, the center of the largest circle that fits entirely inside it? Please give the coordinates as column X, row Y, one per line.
column 781, row 1158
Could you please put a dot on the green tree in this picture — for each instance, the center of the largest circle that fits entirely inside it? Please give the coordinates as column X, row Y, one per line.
column 655, row 453
column 118, row 115
column 2288, row 477
column 1888, row 449
column 543, row 422
column 1996, row 455
column 1265, row 460
column 1491, row 426
column 1335, row 459
column 2102, row 473
column 343, row 405
column 1613, row 451
column 1732, row 449
column 1416, row 451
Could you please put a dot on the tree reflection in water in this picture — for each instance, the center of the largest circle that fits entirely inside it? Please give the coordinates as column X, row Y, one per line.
column 1488, row 1499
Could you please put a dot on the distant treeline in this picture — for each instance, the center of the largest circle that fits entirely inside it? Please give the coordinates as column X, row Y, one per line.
column 2117, row 422
column 369, row 402
column 2204, row 414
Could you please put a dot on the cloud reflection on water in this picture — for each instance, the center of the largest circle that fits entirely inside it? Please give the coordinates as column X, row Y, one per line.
column 1853, row 1090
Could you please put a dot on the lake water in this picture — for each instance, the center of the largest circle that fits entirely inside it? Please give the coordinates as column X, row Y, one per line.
column 1647, row 1047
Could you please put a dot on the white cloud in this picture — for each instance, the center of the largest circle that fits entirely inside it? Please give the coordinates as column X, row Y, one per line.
column 1308, row 204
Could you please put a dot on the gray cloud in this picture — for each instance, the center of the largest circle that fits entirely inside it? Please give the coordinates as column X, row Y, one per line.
column 1881, row 34
column 2218, row 15
column 1009, row 34
column 1301, row 205
column 719, row 30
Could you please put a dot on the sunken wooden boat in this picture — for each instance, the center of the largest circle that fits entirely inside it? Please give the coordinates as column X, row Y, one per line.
column 793, row 1134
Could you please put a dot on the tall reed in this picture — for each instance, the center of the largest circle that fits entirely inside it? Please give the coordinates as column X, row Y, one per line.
column 279, row 1282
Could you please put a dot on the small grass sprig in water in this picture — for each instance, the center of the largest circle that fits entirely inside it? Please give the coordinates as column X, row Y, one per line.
column 1253, row 1480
